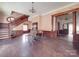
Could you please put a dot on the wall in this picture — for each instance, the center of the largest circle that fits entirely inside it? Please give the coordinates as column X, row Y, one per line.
column 29, row 23
column 2, row 16
column 46, row 23
column 77, row 22
column 36, row 19
column 20, row 27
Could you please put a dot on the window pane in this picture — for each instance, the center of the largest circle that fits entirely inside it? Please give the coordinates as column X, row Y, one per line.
column 25, row 27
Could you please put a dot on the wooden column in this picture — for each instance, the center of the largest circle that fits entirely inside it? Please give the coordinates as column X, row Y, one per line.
column 52, row 22
column 75, row 36
column 67, row 28
column 74, row 23
column 54, row 27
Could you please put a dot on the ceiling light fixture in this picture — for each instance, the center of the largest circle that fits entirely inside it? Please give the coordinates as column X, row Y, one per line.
column 10, row 19
column 32, row 10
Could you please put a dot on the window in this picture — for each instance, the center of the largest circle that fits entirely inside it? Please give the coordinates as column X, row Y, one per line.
column 25, row 27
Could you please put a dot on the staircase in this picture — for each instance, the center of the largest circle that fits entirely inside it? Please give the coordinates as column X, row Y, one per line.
column 4, row 33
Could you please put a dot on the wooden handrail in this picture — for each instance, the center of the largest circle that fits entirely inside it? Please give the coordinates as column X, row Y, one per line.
column 19, row 20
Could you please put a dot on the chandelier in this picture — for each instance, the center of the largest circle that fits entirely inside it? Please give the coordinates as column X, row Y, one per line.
column 10, row 19
column 32, row 10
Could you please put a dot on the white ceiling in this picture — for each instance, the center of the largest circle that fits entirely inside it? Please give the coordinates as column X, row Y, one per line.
column 23, row 7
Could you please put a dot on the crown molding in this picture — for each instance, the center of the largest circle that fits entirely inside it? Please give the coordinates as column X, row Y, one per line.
column 69, row 5
column 66, row 6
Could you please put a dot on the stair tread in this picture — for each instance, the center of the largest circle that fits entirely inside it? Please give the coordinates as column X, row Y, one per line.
column 4, row 30
column 4, row 33
column 4, row 37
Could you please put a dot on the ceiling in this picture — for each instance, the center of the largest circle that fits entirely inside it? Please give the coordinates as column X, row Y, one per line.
column 23, row 7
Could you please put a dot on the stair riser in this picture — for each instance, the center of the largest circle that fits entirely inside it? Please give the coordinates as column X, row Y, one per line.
column 4, row 33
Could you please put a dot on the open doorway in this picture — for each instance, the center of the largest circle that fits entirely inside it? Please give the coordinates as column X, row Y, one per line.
column 65, row 27
column 70, row 30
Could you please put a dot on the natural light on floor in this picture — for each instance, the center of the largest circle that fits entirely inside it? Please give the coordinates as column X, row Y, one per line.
column 70, row 33
column 25, row 38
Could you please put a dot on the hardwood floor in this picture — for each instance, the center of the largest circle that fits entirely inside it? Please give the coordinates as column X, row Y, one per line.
column 25, row 46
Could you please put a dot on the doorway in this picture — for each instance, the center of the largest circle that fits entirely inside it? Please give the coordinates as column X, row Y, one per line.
column 70, row 32
column 70, row 29
column 65, row 27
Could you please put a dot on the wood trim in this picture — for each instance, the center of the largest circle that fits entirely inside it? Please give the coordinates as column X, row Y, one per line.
column 3, row 25
column 76, row 41
column 54, row 33
column 19, row 13
column 28, row 31
column 75, row 35
column 49, row 34
column 52, row 22
column 19, row 33
column 74, row 22
column 20, row 20
column 56, row 27
column 66, row 12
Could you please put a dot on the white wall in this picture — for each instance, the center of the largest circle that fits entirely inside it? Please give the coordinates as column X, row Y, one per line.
column 77, row 22
column 46, row 22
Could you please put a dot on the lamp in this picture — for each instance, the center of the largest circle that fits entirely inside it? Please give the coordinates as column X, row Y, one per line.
column 32, row 10
column 10, row 19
